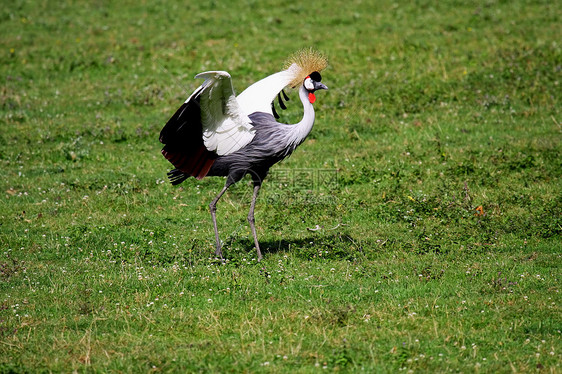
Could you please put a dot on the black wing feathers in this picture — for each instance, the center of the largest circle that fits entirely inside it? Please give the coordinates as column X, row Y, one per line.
column 182, row 127
column 182, row 137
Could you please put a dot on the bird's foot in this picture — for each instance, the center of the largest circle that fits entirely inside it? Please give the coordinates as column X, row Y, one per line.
column 218, row 253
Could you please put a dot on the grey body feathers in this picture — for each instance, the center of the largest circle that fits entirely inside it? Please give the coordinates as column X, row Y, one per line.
column 270, row 145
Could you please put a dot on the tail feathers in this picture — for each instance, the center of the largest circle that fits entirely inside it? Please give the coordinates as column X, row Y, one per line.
column 184, row 146
column 177, row 176
column 195, row 163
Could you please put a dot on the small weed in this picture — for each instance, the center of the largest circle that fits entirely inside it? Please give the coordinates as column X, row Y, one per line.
column 10, row 268
column 341, row 357
column 502, row 284
column 429, row 273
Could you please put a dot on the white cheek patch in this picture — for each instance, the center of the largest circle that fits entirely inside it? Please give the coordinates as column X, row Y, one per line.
column 308, row 84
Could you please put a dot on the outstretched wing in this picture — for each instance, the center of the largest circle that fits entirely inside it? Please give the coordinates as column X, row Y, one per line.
column 209, row 124
column 259, row 96
column 226, row 128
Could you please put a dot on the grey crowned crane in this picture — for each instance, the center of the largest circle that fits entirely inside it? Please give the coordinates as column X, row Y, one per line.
column 216, row 133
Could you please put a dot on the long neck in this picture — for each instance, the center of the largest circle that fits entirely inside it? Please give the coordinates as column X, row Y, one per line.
column 303, row 128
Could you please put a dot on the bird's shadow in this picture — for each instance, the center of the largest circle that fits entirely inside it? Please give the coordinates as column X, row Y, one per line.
column 327, row 245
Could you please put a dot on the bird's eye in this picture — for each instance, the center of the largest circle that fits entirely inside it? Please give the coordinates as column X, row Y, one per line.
column 308, row 84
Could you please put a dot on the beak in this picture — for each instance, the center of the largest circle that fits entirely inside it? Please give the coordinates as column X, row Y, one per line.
column 319, row 86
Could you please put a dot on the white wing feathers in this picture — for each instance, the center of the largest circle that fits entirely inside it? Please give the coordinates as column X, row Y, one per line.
column 226, row 126
column 259, row 96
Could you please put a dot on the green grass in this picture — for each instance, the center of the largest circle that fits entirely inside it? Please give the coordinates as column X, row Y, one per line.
column 418, row 228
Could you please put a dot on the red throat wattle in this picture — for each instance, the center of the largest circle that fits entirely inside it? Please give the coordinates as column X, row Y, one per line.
column 311, row 97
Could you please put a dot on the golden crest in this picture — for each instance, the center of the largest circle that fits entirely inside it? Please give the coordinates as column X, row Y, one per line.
column 305, row 62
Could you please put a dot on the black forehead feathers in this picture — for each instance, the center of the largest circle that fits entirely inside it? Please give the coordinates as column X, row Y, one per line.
column 316, row 76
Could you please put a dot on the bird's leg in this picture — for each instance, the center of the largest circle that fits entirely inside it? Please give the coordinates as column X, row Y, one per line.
column 251, row 219
column 213, row 209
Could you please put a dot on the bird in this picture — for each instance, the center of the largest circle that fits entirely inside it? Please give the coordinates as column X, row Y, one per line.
column 218, row 133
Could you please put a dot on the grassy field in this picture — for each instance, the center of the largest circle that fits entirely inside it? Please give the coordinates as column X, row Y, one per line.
column 418, row 229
